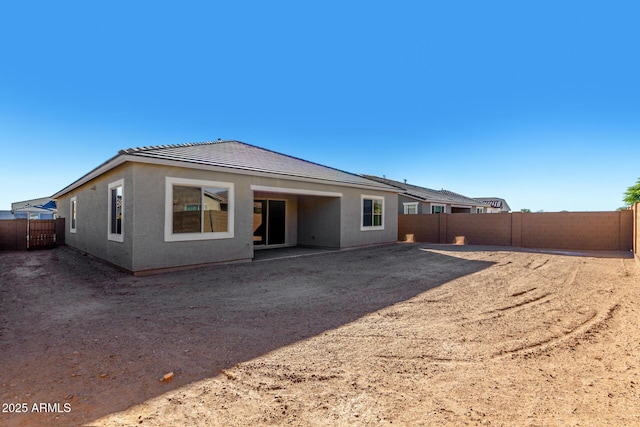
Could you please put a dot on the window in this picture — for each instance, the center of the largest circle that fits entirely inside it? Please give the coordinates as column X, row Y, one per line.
column 372, row 217
column 198, row 210
column 410, row 208
column 72, row 213
column 436, row 209
column 116, row 211
column 479, row 210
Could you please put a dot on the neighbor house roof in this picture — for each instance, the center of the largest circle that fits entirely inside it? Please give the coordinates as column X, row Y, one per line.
column 41, row 205
column 495, row 202
column 42, row 202
column 231, row 155
column 428, row 194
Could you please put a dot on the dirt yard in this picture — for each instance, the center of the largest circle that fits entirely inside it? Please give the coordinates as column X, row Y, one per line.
column 400, row 335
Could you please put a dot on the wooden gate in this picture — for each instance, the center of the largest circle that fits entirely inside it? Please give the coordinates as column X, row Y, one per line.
column 41, row 234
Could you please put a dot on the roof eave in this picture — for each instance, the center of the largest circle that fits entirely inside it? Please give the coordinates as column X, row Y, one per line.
column 253, row 172
column 113, row 162
column 122, row 157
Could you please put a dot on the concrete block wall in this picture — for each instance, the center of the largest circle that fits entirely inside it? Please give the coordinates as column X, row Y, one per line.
column 610, row 231
column 516, row 229
column 494, row 229
column 419, row 228
column 442, row 228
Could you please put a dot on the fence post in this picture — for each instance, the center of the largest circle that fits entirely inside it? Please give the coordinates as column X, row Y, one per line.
column 636, row 225
column 442, row 228
column 620, row 231
column 516, row 229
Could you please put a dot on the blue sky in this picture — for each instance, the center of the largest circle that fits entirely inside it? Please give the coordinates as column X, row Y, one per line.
column 535, row 102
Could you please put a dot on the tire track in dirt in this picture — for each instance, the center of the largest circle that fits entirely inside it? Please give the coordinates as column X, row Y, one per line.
column 554, row 337
column 595, row 322
column 517, row 294
column 429, row 359
column 539, row 264
column 518, row 305
column 521, row 304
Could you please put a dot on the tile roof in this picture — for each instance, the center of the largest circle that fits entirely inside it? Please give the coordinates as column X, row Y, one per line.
column 495, row 202
column 241, row 156
column 463, row 199
column 234, row 155
column 428, row 194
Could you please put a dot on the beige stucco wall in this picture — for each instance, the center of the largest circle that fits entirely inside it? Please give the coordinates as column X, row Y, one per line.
column 314, row 229
column 312, row 220
column 152, row 252
column 351, row 208
column 92, row 218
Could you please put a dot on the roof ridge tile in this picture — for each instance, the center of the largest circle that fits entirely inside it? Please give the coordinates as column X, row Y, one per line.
column 166, row 146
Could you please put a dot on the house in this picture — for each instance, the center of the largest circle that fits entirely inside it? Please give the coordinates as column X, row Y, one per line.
column 42, row 208
column 7, row 215
column 414, row 199
column 173, row 206
column 496, row 204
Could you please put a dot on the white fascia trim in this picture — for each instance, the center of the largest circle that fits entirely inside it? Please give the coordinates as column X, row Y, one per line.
column 425, row 200
column 405, row 204
column 370, row 228
column 409, row 196
column 107, row 166
column 297, row 191
column 111, row 236
column 169, row 236
column 442, row 205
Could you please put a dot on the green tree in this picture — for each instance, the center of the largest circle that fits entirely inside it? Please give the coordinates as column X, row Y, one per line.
column 632, row 195
column 525, row 210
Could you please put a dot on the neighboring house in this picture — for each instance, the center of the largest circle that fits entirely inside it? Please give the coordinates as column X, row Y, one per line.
column 496, row 204
column 7, row 215
column 162, row 207
column 420, row 200
column 42, row 208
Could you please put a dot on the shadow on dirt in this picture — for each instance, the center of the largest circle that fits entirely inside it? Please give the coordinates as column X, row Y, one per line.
column 79, row 332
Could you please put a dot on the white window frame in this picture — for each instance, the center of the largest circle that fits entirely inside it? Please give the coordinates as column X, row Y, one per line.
column 371, row 227
column 73, row 214
column 444, row 207
column 115, row 237
column 407, row 205
column 169, row 236
column 479, row 210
